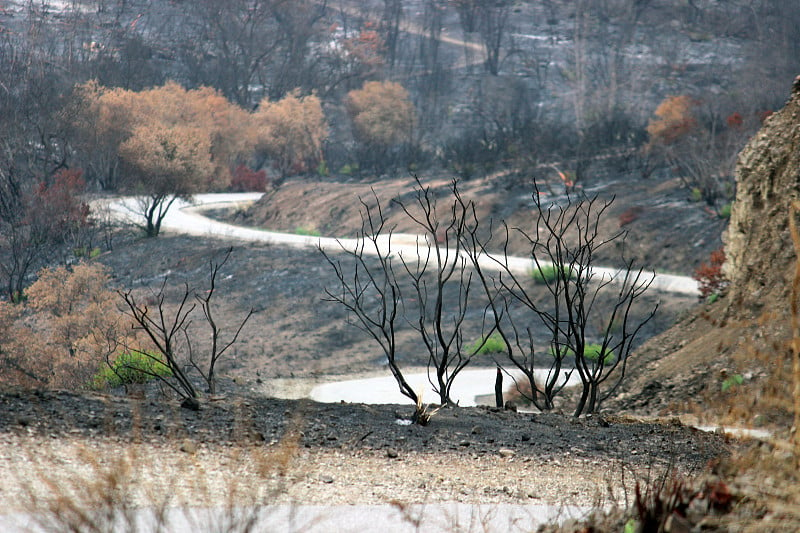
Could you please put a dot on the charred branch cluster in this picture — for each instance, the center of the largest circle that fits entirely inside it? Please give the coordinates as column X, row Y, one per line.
column 546, row 328
column 169, row 334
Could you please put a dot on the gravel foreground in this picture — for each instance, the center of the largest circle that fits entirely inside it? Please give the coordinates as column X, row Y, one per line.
column 254, row 450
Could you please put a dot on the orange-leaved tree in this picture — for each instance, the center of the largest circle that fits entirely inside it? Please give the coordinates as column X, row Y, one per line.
column 383, row 118
column 699, row 144
column 291, row 132
column 164, row 163
column 65, row 331
column 223, row 123
column 674, row 119
column 102, row 118
column 172, row 142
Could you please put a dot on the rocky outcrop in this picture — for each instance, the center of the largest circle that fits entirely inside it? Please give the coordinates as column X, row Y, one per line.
column 757, row 244
column 748, row 331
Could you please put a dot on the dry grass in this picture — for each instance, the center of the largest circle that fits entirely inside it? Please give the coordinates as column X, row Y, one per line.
column 766, row 481
column 67, row 485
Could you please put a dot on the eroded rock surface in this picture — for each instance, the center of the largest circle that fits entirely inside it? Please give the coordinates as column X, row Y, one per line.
column 757, row 243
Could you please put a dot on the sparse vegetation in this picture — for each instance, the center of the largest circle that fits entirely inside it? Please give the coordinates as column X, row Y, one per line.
column 547, row 273
column 493, row 344
column 732, row 382
column 710, row 277
column 131, row 367
column 309, row 232
column 590, row 351
column 132, row 490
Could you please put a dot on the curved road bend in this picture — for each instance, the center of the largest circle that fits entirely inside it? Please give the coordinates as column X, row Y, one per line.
column 187, row 218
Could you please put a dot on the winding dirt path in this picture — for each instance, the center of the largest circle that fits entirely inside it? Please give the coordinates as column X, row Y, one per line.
column 188, row 218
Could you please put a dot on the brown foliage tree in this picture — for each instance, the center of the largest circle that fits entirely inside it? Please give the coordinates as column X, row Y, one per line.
column 291, row 132
column 211, row 114
column 102, row 119
column 382, row 113
column 165, row 163
column 674, row 119
column 18, row 347
column 383, row 118
column 173, row 142
column 105, row 119
column 66, row 330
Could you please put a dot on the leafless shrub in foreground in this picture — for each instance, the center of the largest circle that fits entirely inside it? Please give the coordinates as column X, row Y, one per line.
column 411, row 285
column 564, row 241
column 168, row 331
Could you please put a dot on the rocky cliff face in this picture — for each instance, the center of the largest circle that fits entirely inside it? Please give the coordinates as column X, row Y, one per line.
column 758, row 245
column 747, row 332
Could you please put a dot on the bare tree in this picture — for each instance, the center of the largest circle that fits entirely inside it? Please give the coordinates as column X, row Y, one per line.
column 218, row 345
column 164, row 329
column 564, row 241
column 430, row 37
column 390, row 27
column 411, row 286
column 231, row 45
column 468, row 14
column 168, row 331
column 36, row 222
column 493, row 25
column 370, row 291
column 298, row 26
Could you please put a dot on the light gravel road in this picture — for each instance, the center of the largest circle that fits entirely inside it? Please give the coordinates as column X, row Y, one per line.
column 188, row 218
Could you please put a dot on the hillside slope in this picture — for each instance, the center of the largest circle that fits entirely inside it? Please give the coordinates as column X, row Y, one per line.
column 747, row 332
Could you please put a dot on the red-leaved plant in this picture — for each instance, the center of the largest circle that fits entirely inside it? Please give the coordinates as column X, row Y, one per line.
column 245, row 179
column 709, row 275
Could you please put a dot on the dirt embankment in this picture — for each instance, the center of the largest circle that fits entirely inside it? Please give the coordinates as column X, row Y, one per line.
column 666, row 230
column 740, row 346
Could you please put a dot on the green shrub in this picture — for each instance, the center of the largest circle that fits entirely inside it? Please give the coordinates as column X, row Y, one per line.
column 549, row 273
column 19, row 297
column 732, row 381
column 349, row 169
column 309, row 232
column 494, row 344
column 131, row 367
column 590, row 352
column 725, row 211
column 81, row 252
column 322, row 169
column 697, row 195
